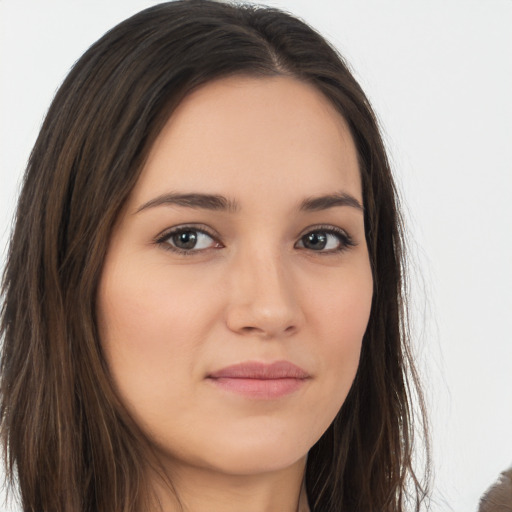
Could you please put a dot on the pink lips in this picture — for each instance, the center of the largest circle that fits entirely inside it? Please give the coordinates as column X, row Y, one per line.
column 260, row 380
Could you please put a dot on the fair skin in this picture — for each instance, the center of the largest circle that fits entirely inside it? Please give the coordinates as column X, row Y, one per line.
column 276, row 270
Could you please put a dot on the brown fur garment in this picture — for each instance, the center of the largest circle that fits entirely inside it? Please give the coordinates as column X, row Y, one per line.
column 498, row 498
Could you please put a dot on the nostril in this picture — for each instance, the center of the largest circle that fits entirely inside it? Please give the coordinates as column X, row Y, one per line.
column 249, row 329
column 267, row 333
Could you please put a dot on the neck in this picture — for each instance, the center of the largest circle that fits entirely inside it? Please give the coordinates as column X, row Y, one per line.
column 202, row 490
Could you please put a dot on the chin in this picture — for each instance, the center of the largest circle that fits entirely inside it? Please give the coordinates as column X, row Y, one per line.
column 254, row 463
column 241, row 453
column 266, row 458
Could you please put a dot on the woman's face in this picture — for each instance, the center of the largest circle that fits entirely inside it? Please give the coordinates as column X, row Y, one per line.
column 237, row 286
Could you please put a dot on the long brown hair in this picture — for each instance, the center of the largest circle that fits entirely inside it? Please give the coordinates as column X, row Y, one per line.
column 68, row 440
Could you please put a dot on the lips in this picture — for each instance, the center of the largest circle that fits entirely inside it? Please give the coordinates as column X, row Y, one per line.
column 260, row 380
column 255, row 370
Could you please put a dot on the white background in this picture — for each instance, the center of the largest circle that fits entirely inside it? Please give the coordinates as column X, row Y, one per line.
column 439, row 74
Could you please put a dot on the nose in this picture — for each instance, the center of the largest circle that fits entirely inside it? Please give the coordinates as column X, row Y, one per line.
column 263, row 300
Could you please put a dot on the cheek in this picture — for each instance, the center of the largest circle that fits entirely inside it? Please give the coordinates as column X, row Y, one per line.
column 341, row 305
column 143, row 305
column 150, row 333
column 341, row 313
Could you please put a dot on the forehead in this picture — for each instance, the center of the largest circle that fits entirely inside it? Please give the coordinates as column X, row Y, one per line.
column 258, row 135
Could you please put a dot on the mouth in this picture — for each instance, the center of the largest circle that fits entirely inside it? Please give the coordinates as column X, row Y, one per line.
column 260, row 380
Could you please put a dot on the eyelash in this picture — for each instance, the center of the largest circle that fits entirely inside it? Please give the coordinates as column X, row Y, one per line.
column 345, row 240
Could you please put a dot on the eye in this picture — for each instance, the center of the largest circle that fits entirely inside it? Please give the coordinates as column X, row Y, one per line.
column 187, row 239
column 327, row 240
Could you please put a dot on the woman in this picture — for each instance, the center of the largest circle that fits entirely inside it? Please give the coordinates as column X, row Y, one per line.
column 203, row 295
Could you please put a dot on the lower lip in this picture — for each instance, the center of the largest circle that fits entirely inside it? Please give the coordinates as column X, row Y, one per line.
column 263, row 389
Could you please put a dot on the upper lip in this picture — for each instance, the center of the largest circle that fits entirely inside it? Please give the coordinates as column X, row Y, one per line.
column 263, row 371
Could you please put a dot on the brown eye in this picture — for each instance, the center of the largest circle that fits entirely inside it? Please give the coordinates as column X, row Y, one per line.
column 325, row 240
column 315, row 241
column 186, row 240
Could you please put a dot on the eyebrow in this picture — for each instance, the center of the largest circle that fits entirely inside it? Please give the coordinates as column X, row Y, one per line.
column 197, row 201
column 218, row 202
column 315, row 204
